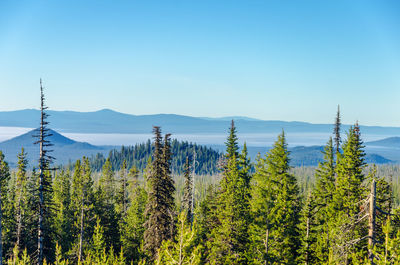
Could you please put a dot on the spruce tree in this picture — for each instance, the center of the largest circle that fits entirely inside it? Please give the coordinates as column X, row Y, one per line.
column 133, row 226
column 322, row 194
column 122, row 196
column 82, row 203
column 232, row 148
column 182, row 250
column 308, row 232
column 348, row 198
column 168, row 182
column 4, row 176
column 20, row 197
column 107, row 182
column 231, row 235
column 187, row 202
column 105, row 206
column 350, row 174
column 207, row 220
column 275, row 206
column 336, row 130
column 64, row 220
column 160, row 206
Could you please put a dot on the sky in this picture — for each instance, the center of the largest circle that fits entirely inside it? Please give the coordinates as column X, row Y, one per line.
column 274, row 60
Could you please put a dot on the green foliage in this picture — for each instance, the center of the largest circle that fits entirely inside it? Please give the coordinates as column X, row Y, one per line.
column 230, row 236
column 160, row 206
column 187, row 203
column 132, row 226
column 183, row 250
column 137, row 156
column 347, row 197
column 275, row 207
column 320, row 209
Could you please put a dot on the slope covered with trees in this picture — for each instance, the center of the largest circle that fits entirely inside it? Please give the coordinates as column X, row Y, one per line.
column 138, row 155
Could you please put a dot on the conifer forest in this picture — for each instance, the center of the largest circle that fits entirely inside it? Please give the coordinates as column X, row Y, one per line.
column 167, row 202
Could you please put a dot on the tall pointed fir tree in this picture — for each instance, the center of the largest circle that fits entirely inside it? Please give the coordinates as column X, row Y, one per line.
column 45, row 186
column 64, row 220
column 133, row 225
column 275, row 206
column 336, row 130
column 308, row 234
column 231, row 235
column 20, row 197
column 232, row 148
column 4, row 176
column 348, row 199
column 122, row 196
column 322, row 194
column 160, row 204
column 187, row 202
column 105, row 207
column 168, row 182
column 182, row 250
column 82, row 203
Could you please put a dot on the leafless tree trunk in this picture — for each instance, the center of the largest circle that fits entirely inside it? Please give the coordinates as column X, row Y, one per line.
column 19, row 219
column 266, row 246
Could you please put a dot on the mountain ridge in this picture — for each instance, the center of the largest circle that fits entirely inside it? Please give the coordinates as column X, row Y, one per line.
column 64, row 148
column 110, row 121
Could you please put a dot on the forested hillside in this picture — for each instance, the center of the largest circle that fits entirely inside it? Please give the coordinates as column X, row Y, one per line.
column 138, row 156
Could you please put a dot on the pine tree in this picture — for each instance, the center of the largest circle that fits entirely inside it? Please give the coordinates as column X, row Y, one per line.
column 64, row 220
column 308, row 232
column 183, row 250
column 4, row 176
column 232, row 148
column 350, row 175
column 107, row 182
column 275, row 205
column 348, row 195
column 160, row 204
column 82, row 201
column 20, row 196
column 122, row 197
column 187, row 202
column 231, row 235
column 207, row 220
column 99, row 244
column 336, row 130
column 322, row 196
column 105, row 207
column 133, row 225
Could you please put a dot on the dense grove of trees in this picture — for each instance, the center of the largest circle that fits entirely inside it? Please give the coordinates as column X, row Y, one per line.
column 344, row 212
column 139, row 154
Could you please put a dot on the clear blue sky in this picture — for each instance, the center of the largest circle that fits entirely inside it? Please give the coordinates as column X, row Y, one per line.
column 286, row 60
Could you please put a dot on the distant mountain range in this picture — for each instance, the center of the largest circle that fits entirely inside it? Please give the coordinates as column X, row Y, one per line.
column 65, row 149
column 109, row 121
column 390, row 142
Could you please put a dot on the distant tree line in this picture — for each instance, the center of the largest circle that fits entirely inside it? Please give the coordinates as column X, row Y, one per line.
column 138, row 155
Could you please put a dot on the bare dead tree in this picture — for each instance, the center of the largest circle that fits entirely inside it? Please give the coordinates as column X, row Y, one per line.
column 45, row 159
